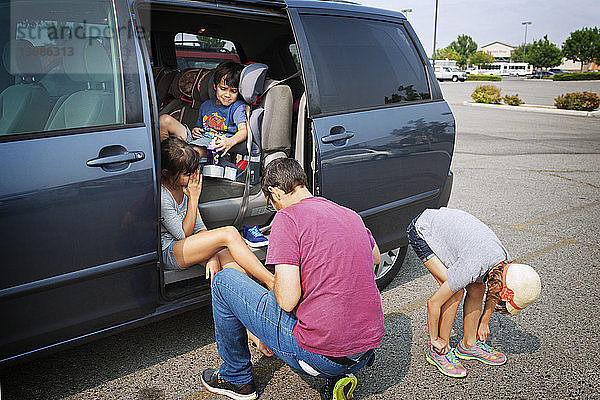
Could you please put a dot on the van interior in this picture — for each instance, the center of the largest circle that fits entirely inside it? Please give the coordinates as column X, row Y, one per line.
column 249, row 37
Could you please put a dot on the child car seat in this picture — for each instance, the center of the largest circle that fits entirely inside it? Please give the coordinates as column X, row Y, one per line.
column 91, row 64
column 24, row 106
column 189, row 92
column 163, row 78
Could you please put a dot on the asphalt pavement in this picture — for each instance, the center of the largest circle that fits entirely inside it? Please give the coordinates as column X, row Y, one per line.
column 534, row 178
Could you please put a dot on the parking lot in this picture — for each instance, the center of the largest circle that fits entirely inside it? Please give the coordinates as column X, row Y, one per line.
column 534, row 178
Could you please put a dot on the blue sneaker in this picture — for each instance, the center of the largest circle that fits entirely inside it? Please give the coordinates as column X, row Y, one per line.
column 254, row 237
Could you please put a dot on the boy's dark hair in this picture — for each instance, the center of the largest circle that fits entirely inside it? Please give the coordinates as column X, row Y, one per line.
column 284, row 173
column 229, row 71
column 176, row 158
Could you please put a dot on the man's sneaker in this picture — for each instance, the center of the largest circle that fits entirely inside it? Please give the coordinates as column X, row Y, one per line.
column 213, row 382
column 447, row 363
column 482, row 352
column 339, row 388
column 254, row 237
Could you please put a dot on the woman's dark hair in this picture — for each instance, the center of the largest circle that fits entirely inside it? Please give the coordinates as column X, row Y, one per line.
column 176, row 158
column 230, row 72
column 284, row 173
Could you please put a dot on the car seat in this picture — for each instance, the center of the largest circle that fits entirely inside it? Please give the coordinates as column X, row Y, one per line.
column 189, row 89
column 89, row 63
column 163, row 78
column 24, row 106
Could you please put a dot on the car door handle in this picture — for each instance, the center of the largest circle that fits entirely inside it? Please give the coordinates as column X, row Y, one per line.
column 128, row 157
column 337, row 137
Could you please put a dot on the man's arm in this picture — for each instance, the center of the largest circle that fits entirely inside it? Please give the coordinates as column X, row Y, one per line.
column 287, row 286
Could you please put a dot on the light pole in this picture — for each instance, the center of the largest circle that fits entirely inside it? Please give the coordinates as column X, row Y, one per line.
column 525, row 40
column 435, row 31
column 406, row 12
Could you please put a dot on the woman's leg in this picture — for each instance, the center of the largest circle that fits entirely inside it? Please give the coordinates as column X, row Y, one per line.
column 169, row 126
column 449, row 309
column 472, row 313
column 203, row 245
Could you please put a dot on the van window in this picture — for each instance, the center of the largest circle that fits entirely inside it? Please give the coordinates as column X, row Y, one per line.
column 61, row 68
column 363, row 63
column 198, row 51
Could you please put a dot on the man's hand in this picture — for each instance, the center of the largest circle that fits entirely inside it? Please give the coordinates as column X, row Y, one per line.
column 483, row 332
column 194, row 186
column 197, row 132
column 225, row 143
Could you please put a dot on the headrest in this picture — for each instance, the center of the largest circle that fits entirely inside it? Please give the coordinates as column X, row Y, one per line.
column 252, row 81
column 187, row 86
column 89, row 62
column 19, row 58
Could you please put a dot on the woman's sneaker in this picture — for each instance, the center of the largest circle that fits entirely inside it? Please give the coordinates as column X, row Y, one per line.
column 339, row 387
column 447, row 363
column 254, row 237
column 482, row 352
column 213, row 382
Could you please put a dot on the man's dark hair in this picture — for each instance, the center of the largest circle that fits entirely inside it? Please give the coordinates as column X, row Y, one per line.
column 229, row 71
column 177, row 157
column 284, row 173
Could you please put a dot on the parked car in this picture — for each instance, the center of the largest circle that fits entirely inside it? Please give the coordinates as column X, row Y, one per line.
column 449, row 73
column 537, row 74
column 192, row 57
column 557, row 71
column 79, row 146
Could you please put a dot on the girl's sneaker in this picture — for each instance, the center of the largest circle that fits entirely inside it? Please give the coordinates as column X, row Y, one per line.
column 482, row 352
column 254, row 237
column 447, row 363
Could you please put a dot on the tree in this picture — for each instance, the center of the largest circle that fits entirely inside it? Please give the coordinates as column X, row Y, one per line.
column 464, row 46
column 446, row 54
column 583, row 45
column 480, row 57
column 544, row 54
column 210, row 42
column 519, row 54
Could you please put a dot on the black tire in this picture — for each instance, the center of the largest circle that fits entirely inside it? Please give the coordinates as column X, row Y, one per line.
column 454, row 78
column 388, row 268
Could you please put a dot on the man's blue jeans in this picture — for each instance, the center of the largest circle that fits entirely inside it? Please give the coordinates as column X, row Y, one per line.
column 238, row 304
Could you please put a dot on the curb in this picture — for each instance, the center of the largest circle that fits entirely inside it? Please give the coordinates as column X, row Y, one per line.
column 534, row 108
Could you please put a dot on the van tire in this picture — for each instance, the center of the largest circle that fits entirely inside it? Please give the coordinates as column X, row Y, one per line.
column 388, row 268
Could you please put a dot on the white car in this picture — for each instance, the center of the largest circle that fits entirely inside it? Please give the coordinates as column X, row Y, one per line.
column 449, row 73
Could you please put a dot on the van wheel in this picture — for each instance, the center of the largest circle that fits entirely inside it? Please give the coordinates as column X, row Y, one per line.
column 455, row 78
column 388, row 268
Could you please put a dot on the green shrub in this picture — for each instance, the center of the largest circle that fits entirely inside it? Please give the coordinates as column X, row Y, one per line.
column 484, row 78
column 582, row 101
column 513, row 100
column 488, row 94
column 588, row 76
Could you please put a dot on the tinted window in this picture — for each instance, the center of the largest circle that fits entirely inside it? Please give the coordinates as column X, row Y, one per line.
column 198, row 51
column 363, row 63
column 60, row 67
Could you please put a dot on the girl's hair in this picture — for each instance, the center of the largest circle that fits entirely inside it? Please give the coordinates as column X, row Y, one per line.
column 176, row 158
column 494, row 285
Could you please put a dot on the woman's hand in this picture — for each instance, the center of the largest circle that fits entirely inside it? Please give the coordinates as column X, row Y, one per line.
column 194, row 186
column 483, row 332
column 197, row 132
column 440, row 346
column 212, row 267
column 259, row 344
column 225, row 143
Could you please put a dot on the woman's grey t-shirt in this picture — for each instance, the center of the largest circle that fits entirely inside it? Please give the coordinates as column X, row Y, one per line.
column 464, row 244
column 171, row 218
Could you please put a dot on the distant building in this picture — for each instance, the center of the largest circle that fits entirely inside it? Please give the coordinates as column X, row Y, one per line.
column 500, row 51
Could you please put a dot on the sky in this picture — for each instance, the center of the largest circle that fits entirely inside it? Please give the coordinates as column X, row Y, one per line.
column 490, row 21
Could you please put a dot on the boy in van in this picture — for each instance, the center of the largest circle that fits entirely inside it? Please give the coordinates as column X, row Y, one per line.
column 223, row 118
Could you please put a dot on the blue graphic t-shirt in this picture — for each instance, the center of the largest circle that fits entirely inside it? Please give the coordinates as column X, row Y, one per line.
column 223, row 119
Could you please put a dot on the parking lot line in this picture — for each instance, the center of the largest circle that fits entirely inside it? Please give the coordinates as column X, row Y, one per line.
column 554, row 215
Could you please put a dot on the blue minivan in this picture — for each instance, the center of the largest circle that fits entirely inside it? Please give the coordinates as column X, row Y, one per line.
column 82, row 86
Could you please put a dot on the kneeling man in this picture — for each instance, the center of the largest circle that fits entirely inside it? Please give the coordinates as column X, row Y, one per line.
column 323, row 316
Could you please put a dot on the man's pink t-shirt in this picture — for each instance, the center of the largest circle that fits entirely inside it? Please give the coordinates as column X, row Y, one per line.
column 339, row 312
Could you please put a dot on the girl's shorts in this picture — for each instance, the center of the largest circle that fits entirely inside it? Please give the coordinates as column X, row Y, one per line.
column 418, row 244
column 169, row 260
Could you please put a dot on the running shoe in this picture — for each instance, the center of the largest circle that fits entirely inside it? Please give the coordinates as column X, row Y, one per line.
column 254, row 237
column 447, row 363
column 214, row 383
column 339, row 388
column 482, row 352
